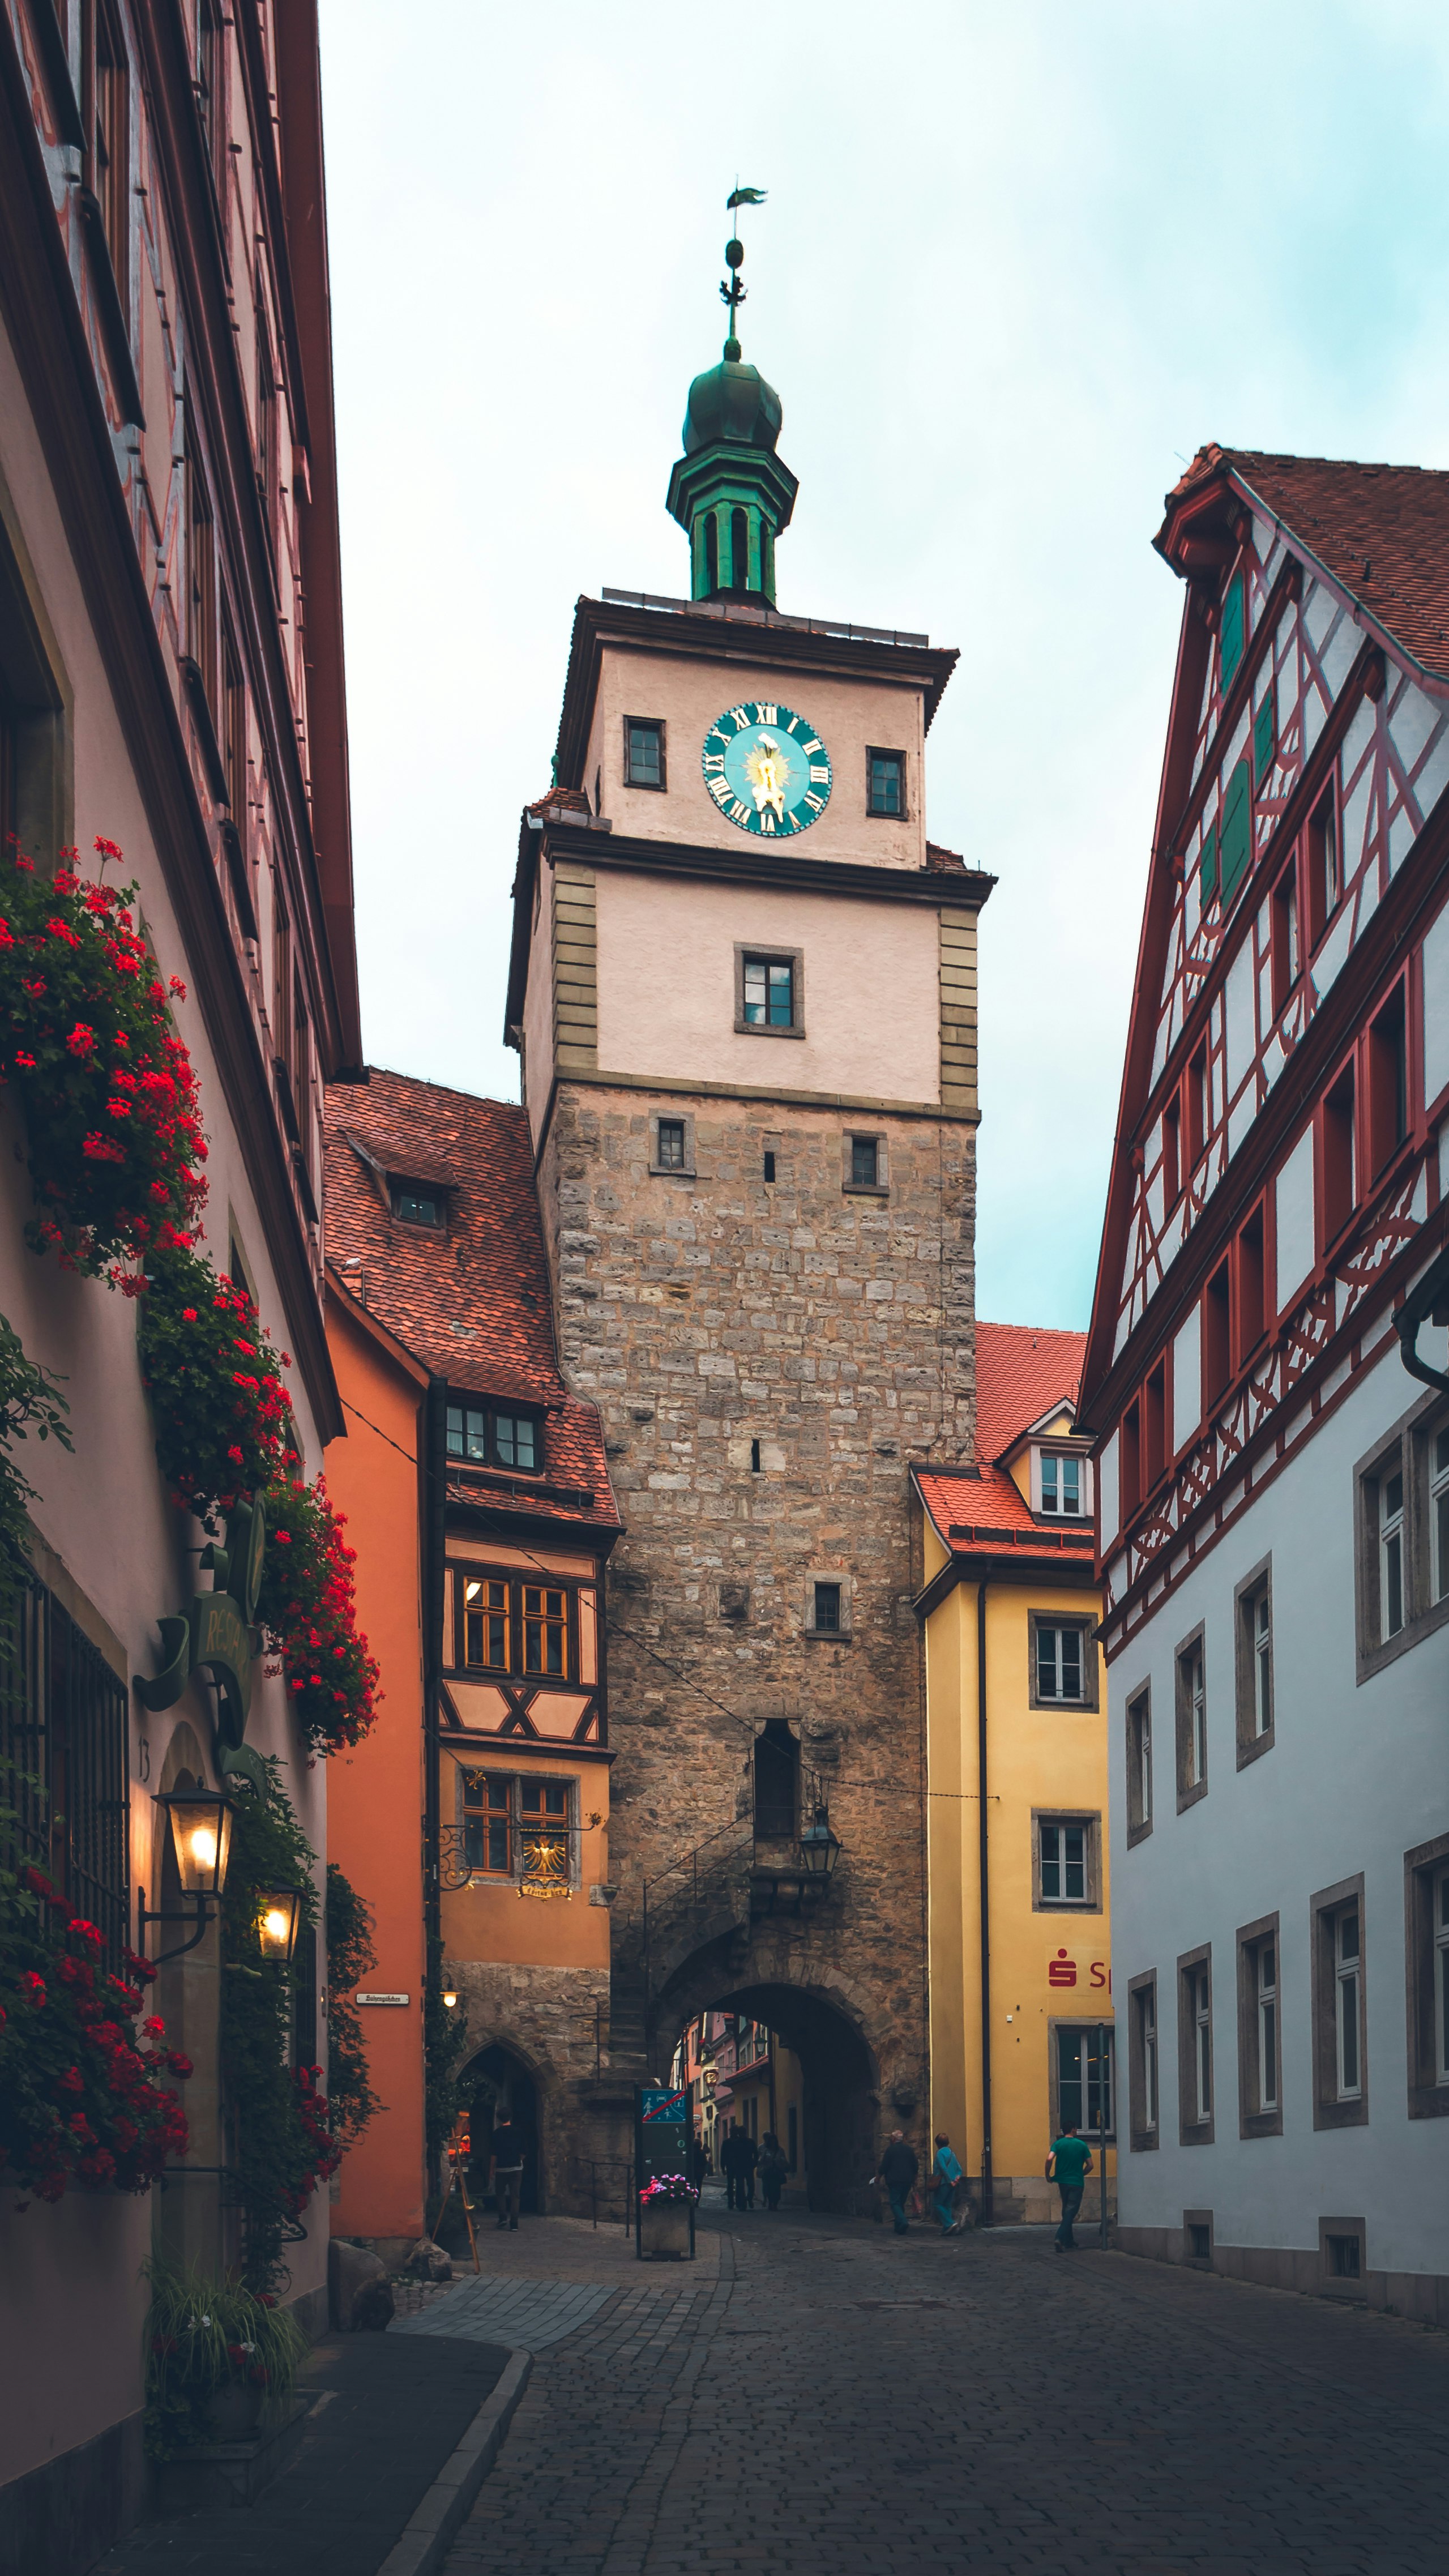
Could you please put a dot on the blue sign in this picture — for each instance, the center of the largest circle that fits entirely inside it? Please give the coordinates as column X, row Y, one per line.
column 660, row 2108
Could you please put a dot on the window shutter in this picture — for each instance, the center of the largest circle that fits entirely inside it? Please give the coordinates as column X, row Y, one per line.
column 1237, row 836
column 1208, row 868
column 1265, row 735
column 1234, row 631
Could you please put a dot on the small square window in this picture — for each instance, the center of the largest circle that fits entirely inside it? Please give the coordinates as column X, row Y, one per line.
column 886, row 783
column 417, row 1207
column 643, row 752
column 827, row 1609
column 670, row 1146
column 769, row 992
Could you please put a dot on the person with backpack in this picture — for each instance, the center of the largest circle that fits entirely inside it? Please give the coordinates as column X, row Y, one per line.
column 945, row 2175
column 774, row 2166
column 1068, row 2164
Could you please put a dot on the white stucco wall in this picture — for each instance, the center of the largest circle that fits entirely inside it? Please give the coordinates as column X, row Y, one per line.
column 1356, row 1777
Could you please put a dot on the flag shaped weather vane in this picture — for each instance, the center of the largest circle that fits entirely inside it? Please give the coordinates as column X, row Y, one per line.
column 732, row 289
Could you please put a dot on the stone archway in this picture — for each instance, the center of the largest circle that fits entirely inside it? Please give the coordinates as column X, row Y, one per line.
column 494, row 2075
column 818, row 2018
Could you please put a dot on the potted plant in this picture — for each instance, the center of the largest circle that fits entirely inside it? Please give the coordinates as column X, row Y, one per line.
column 218, row 2358
column 666, row 2211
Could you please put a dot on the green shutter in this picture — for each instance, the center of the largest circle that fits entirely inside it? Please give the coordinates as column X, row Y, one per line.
column 1230, row 649
column 1237, row 833
column 1208, row 868
column 1265, row 735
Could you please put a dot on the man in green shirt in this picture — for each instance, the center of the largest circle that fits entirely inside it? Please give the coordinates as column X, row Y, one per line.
column 1068, row 2165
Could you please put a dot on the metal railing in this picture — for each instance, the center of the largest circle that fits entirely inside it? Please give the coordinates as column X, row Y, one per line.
column 63, row 1742
column 605, row 2179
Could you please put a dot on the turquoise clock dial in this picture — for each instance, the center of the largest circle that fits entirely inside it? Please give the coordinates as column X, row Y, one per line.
column 767, row 769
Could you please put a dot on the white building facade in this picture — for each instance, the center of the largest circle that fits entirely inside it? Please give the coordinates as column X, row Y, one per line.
column 1273, row 1481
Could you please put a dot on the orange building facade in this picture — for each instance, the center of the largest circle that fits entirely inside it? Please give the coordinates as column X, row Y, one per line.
column 479, row 1504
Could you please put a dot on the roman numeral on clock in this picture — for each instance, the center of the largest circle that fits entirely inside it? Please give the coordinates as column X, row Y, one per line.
column 815, row 803
column 819, row 777
column 767, row 715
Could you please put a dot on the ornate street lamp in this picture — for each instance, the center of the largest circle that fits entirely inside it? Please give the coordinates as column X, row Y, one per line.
column 819, row 1847
column 279, row 1914
column 201, row 1840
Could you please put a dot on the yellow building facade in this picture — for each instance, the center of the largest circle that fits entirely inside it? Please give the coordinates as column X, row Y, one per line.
column 1016, row 1732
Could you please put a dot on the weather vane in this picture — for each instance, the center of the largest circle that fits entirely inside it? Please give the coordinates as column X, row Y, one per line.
column 732, row 290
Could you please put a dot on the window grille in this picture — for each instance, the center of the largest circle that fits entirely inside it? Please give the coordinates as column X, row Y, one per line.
column 63, row 1740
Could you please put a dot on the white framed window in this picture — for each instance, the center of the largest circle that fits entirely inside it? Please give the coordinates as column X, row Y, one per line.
column 1200, row 1986
column 1347, row 2003
column 1391, row 1552
column 1063, row 1485
column 1441, row 1977
column 1147, row 2038
column 1266, row 1964
column 1191, row 1719
column 1439, row 1511
column 1061, row 1665
column 1064, row 1865
column 1139, row 1764
column 1262, row 1663
column 1084, row 2078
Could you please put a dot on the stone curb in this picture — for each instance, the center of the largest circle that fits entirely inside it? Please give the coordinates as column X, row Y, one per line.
column 424, row 2543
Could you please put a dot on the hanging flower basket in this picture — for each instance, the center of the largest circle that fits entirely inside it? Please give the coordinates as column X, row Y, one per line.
column 215, row 1384
column 81, row 2102
column 106, row 1087
column 308, row 1609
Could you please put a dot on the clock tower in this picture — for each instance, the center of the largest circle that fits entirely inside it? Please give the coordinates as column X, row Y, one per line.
column 743, row 985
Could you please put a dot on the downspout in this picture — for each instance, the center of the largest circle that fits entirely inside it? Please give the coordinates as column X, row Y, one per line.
column 433, row 1498
column 988, row 2199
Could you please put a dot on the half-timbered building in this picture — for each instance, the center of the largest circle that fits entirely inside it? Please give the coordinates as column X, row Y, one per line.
column 1273, row 1496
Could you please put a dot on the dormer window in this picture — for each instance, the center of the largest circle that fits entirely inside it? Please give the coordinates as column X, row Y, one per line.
column 489, row 1435
column 1063, row 1486
column 414, row 1205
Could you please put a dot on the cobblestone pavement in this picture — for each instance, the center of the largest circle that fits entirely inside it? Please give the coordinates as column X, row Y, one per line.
column 833, row 2402
column 524, row 2315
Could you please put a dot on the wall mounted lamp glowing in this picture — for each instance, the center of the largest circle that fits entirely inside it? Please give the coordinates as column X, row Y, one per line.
column 450, row 1996
column 201, row 1841
column 279, row 1914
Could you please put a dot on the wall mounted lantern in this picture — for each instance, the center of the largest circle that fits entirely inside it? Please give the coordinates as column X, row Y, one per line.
column 279, row 1914
column 819, row 1847
column 201, row 1840
column 450, row 1997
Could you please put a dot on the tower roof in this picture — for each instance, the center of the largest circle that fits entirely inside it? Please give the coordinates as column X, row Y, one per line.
column 732, row 401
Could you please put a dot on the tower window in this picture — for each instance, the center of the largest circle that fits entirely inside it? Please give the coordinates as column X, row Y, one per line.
column 885, row 782
column 711, row 551
column 768, row 992
column 826, row 1620
column 740, row 549
column 769, row 1164
column 643, row 752
column 671, row 1144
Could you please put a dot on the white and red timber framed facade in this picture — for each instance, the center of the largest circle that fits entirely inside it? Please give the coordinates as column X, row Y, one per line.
column 1274, row 1597
column 171, row 677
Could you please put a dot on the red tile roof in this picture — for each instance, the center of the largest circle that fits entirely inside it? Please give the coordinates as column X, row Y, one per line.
column 1381, row 531
column 471, row 1302
column 1022, row 1372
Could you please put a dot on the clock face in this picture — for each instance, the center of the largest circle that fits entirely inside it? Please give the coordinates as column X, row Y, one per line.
column 767, row 769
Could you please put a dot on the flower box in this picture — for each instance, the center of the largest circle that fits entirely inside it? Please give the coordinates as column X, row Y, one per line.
column 664, row 2230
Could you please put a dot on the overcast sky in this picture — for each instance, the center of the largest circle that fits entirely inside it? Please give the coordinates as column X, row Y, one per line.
column 1016, row 266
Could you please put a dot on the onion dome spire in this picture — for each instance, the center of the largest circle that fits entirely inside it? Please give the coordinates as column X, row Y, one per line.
column 729, row 491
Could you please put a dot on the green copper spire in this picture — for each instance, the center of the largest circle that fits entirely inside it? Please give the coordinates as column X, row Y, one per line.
column 730, row 491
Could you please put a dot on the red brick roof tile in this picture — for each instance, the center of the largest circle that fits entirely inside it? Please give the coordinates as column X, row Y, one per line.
column 1381, row 531
column 1023, row 1371
column 472, row 1302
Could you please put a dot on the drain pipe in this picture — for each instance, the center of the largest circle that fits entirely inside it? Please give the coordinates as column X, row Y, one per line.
column 988, row 2198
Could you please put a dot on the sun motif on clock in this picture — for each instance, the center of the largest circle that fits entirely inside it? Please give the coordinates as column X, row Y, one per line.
column 767, row 769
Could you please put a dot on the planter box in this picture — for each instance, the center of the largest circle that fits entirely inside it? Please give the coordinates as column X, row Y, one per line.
column 232, row 2473
column 664, row 2231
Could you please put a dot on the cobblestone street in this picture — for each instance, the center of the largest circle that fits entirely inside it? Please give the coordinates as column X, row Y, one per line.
column 831, row 2398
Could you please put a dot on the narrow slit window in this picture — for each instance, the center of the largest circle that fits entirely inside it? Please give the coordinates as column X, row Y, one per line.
column 827, row 1609
column 1391, row 1553
column 1347, row 1964
column 1439, row 1510
column 1267, row 2025
column 769, row 1164
column 1147, row 2041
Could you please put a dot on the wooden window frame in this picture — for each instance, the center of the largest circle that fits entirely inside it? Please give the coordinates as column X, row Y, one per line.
column 515, row 1782
column 1192, row 2131
column 462, row 1571
column 1251, row 1940
column 1339, row 1158
column 490, row 1406
column 1286, row 935
column 1250, row 1286
column 1144, row 2137
column 1389, row 1118
column 1325, row 885
column 1171, row 1152
column 1090, row 1821
column 1254, row 1586
column 1197, row 1104
column 1324, row 1910
column 879, row 813
column 1189, row 1791
column 1139, row 1814
column 646, row 786
column 1216, row 1344
column 1038, row 1618
column 1156, row 1419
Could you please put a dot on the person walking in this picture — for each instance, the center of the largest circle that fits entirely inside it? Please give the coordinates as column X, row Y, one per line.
column 507, row 2158
column 945, row 2174
column 774, row 2165
column 899, row 2167
column 739, row 2156
column 1068, row 2165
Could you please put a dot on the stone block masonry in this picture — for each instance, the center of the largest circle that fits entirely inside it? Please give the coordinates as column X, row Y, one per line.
column 768, row 1357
